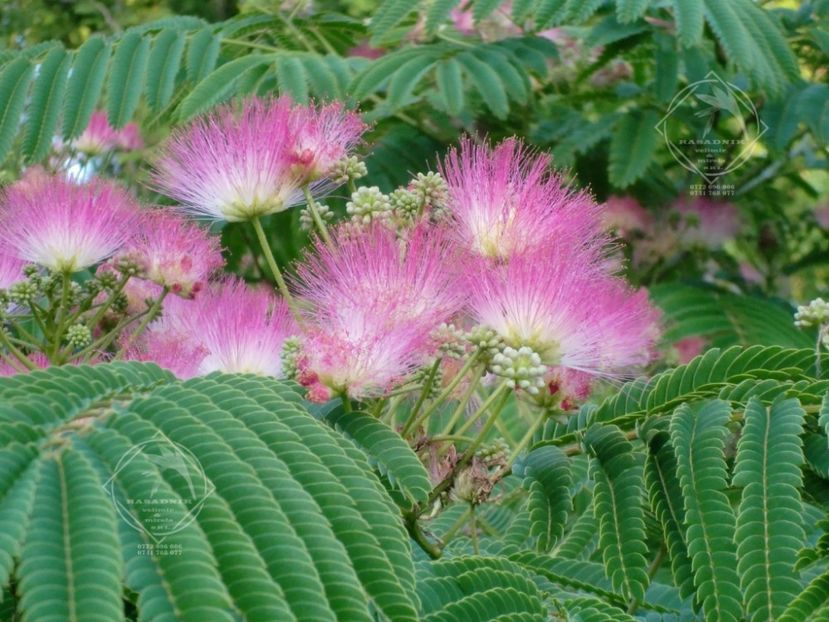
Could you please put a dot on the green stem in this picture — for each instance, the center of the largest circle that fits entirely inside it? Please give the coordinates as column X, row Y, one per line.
column 61, row 315
column 413, row 527
column 107, row 304
column 473, row 531
column 450, row 533
column 461, row 409
column 526, row 440
column 346, row 403
column 277, row 274
column 424, row 393
column 151, row 314
column 446, row 391
column 315, row 215
column 4, row 339
column 501, row 394
column 13, row 362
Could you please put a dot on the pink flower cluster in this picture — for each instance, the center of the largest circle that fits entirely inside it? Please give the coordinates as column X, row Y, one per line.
column 100, row 137
column 68, row 227
column 238, row 165
column 522, row 258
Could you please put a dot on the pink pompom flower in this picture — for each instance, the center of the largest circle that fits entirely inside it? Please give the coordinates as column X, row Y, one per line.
column 505, row 200
column 374, row 302
column 706, row 222
column 566, row 309
column 230, row 328
column 322, row 136
column 231, row 165
column 11, row 270
column 98, row 137
column 174, row 253
column 64, row 226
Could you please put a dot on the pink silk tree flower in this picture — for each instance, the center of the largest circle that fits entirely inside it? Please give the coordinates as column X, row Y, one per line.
column 412, row 280
column 233, row 165
column 506, row 200
column 373, row 302
column 98, row 137
column 66, row 227
column 11, row 270
column 357, row 355
column 174, row 253
column 566, row 310
column 128, row 138
column 707, row 222
column 230, row 328
column 322, row 136
column 625, row 215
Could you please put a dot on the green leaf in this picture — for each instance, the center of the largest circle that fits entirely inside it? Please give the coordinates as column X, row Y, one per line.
column 202, row 54
column 15, row 78
column 19, row 471
column 618, row 500
column 547, row 478
column 387, row 450
column 387, row 16
column 632, row 147
column 380, row 70
column 406, row 78
column 666, row 67
column 698, row 435
column 86, row 80
column 487, row 83
column 809, row 601
column 163, row 66
column 769, row 520
column 483, row 9
column 292, row 79
column 219, row 85
column 44, row 107
column 437, row 13
column 666, row 500
column 69, row 567
column 126, row 77
column 630, row 10
column 689, row 21
column 450, row 85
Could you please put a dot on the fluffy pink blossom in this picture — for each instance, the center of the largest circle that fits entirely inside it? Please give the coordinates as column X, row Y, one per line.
column 371, row 271
column 230, row 328
column 625, row 215
column 506, row 201
column 99, row 136
column 706, row 222
column 11, row 270
column 129, row 138
column 64, row 226
column 373, row 303
column 563, row 306
column 174, row 253
column 689, row 348
column 233, row 165
column 322, row 136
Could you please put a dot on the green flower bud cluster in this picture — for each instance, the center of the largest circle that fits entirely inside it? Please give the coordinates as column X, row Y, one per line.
column 306, row 220
column 78, row 336
column 486, row 340
column 496, row 451
column 451, row 341
column 431, row 189
column 422, row 374
column 522, row 368
column 405, row 203
column 368, row 204
column 816, row 313
column 290, row 352
column 350, row 168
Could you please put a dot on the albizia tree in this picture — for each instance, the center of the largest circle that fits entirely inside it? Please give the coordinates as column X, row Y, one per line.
column 452, row 339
